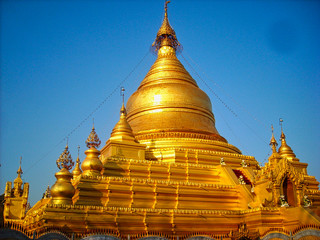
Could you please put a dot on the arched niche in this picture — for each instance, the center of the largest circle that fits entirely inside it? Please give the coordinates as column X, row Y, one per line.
column 289, row 191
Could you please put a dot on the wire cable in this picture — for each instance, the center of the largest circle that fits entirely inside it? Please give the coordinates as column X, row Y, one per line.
column 229, row 108
column 226, row 93
column 89, row 115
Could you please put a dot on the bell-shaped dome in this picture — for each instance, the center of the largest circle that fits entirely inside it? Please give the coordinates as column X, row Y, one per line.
column 122, row 130
column 285, row 150
column 62, row 191
column 77, row 170
column 169, row 99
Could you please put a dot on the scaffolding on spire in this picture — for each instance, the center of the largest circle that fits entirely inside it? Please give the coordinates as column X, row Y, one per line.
column 166, row 36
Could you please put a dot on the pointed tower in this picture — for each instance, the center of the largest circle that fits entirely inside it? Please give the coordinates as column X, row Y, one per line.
column 122, row 142
column 166, row 36
column 62, row 191
column 16, row 198
column 92, row 166
column 284, row 150
column 169, row 110
column 275, row 155
column 122, row 130
column 17, row 183
column 47, row 193
column 77, row 170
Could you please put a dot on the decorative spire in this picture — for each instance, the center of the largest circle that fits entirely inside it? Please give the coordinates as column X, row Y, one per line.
column 275, row 156
column 166, row 36
column 91, row 165
column 78, row 159
column 77, row 170
column 65, row 159
column 47, row 193
column 62, row 191
column 17, row 183
column 93, row 139
column 123, row 111
column 285, row 150
column 280, row 123
column 282, row 137
column 122, row 129
column 19, row 172
column 166, row 9
column 273, row 142
column 122, row 90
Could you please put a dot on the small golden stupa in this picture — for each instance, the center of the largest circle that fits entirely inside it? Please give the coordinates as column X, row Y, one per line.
column 167, row 173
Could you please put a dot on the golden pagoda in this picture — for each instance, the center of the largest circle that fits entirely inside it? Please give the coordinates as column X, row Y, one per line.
column 167, row 173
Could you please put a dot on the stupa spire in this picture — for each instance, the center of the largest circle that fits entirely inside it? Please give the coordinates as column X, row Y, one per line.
column 19, row 172
column 122, row 90
column 166, row 36
column 77, row 170
column 47, row 193
column 93, row 139
column 285, row 150
column 273, row 142
column 91, row 165
column 17, row 183
column 62, row 191
column 65, row 159
column 122, row 130
column 169, row 103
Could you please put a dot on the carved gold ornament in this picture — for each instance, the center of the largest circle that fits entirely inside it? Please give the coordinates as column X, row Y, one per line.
column 65, row 160
column 93, row 139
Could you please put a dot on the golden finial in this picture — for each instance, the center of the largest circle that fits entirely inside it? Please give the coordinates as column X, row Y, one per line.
column 17, row 183
column 273, row 142
column 122, row 129
column 77, row 170
column 62, row 191
column 93, row 139
column 47, row 193
column 91, row 165
column 78, row 159
column 166, row 36
column 122, row 90
column 166, row 8
column 282, row 134
column 284, row 149
column 123, row 111
column 19, row 172
column 65, row 159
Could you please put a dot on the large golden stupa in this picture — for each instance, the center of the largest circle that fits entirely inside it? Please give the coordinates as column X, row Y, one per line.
column 167, row 173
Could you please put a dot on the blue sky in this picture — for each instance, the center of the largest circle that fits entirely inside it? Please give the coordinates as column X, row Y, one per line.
column 61, row 60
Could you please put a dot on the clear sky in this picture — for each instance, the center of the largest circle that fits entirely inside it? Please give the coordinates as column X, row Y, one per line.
column 61, row 60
